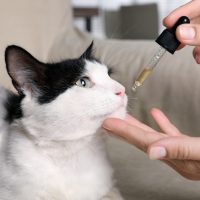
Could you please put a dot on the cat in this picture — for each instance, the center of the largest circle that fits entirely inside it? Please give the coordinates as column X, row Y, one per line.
column 50, row 146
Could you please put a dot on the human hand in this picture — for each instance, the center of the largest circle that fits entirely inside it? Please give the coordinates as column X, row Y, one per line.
column 179, row 151
column 187, row 34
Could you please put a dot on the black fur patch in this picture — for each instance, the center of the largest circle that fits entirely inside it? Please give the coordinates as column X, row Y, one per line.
column 60, row 77
column 13, row 107
column 44, row 81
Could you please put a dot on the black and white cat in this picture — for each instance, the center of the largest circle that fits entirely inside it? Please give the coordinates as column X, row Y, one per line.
column 49, row 145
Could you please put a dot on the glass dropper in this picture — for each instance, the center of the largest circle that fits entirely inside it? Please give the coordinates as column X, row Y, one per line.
column 167, row 42
column 147, row 71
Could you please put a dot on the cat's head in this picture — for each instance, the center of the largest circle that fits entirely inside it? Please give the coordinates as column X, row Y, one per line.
column 66, row 100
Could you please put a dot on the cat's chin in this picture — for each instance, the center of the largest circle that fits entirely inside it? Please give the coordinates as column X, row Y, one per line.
column 119, row 113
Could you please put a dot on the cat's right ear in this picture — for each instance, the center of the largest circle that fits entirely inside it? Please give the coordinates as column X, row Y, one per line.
column 88, row 52
column 25, row 71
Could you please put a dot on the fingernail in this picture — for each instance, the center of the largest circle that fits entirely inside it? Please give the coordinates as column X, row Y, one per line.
column 187, row 33
column 157, row 153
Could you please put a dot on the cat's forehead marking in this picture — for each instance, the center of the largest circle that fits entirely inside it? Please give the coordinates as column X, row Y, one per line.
column 60, row 77
column 94, row 68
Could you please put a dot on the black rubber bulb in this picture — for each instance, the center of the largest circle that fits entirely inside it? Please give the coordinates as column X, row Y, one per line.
column 167, row 39
column 181, row 20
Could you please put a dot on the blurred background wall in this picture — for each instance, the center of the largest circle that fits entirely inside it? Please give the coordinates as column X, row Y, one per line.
column 126, row 19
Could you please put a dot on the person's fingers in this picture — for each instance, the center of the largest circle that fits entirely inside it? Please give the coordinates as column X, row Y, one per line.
column 189, row 34
column 186, row 169
column 180, row 148
column 196, row 54
column 165, row 125
column 132, row 121
column 133, row 134
column 190, row 10
column 181, row 46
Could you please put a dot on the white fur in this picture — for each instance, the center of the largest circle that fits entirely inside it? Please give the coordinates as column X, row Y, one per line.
column 54, row 151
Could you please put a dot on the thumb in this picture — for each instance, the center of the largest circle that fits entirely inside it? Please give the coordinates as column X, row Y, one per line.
column 180, row 148
column 188, row 34
column 196, row 54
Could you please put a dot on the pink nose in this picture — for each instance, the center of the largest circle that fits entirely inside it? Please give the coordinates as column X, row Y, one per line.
column 120, row 93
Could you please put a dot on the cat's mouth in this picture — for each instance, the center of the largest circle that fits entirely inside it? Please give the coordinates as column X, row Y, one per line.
column 119, row 108
column 118, row 112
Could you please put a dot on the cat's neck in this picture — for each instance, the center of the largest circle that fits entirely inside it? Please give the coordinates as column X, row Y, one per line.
column 69, row 147
column 59, row 149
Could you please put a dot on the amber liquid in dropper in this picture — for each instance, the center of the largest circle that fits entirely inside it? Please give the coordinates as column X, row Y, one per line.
column 141, row 78
column 147, row 71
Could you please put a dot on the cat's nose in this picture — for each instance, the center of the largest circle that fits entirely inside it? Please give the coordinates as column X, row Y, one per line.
column 120, row 92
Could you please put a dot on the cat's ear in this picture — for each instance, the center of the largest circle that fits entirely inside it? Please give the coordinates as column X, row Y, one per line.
column 26, row 72
column 88, row 53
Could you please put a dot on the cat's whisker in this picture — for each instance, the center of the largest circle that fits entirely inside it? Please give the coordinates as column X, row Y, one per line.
column 130, row 108
column 134, row 98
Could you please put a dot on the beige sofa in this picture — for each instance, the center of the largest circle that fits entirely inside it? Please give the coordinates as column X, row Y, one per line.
column 45, row 29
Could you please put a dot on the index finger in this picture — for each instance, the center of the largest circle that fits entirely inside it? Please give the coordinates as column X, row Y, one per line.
column 133, row 134
column 132, row 121
column 191, row 10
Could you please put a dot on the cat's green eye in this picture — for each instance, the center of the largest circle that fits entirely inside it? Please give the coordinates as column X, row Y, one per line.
column 84, row 82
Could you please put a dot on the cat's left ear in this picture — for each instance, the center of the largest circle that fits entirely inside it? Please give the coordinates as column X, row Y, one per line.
column 88, row 53
column 26, row 72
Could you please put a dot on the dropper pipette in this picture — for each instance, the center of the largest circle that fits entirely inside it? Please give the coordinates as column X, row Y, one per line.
column 167, row 42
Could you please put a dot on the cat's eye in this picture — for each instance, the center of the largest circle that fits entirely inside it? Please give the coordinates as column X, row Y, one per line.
column 84, row 82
